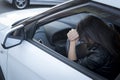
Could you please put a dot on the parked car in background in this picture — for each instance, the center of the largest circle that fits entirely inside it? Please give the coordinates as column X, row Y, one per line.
column 21, row 4
column 33, row 47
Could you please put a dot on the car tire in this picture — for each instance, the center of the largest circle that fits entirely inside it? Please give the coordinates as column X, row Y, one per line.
column 20, row 4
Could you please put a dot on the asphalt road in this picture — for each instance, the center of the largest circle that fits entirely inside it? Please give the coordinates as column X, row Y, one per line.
column 5, row 7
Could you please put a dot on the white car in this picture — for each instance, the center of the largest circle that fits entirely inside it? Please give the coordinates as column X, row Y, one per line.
column 20, row 4
column 33, row 47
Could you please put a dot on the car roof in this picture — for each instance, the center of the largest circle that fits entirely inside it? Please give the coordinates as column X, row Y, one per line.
column 113, row 3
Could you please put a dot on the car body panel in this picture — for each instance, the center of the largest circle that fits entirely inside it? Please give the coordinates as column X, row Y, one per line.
column 23, row 4
column 2, row 26
column 11, row 17
column 45, row 2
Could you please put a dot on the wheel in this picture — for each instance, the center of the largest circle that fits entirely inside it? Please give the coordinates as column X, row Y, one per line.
column 20, row 4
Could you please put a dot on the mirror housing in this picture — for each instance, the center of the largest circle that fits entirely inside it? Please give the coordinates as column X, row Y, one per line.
column 13, row 38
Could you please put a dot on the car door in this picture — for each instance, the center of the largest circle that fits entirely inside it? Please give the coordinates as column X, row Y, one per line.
column 26, row 61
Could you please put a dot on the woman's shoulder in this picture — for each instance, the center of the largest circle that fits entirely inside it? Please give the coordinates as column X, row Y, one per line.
column 98, row 54
column 99, row 50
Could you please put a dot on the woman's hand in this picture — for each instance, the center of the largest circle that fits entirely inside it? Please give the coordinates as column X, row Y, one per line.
column 73, row 35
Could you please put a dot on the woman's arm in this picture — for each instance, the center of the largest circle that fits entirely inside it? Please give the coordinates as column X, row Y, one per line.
column 73, row 37
column 72, row 52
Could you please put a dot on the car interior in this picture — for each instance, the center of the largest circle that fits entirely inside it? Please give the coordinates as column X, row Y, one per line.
column 54, row 34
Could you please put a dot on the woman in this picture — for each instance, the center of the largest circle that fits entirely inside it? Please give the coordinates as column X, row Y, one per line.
column 98, row 48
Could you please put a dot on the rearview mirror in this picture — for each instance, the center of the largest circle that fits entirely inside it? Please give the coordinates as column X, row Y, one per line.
column 11, row 42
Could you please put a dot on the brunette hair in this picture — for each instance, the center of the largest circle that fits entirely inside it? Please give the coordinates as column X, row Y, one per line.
column 100, row 32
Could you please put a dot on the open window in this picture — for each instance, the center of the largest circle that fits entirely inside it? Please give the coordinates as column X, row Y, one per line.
column 54, row 34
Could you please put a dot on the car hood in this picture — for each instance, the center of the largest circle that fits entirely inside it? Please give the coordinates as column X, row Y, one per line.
column 9, row 18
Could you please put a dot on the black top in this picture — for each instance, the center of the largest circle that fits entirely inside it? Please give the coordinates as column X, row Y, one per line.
column 99, row 60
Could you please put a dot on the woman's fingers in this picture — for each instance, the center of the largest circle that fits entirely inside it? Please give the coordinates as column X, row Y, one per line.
column 72, row 34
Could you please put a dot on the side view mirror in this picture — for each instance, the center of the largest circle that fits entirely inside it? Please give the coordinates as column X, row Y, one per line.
column 13, row 38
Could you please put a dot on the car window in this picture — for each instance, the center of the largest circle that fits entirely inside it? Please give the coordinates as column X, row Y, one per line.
column 74, row 19
column 54, row 34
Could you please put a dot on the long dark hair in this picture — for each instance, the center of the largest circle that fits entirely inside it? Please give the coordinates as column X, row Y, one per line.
column 98, row 31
